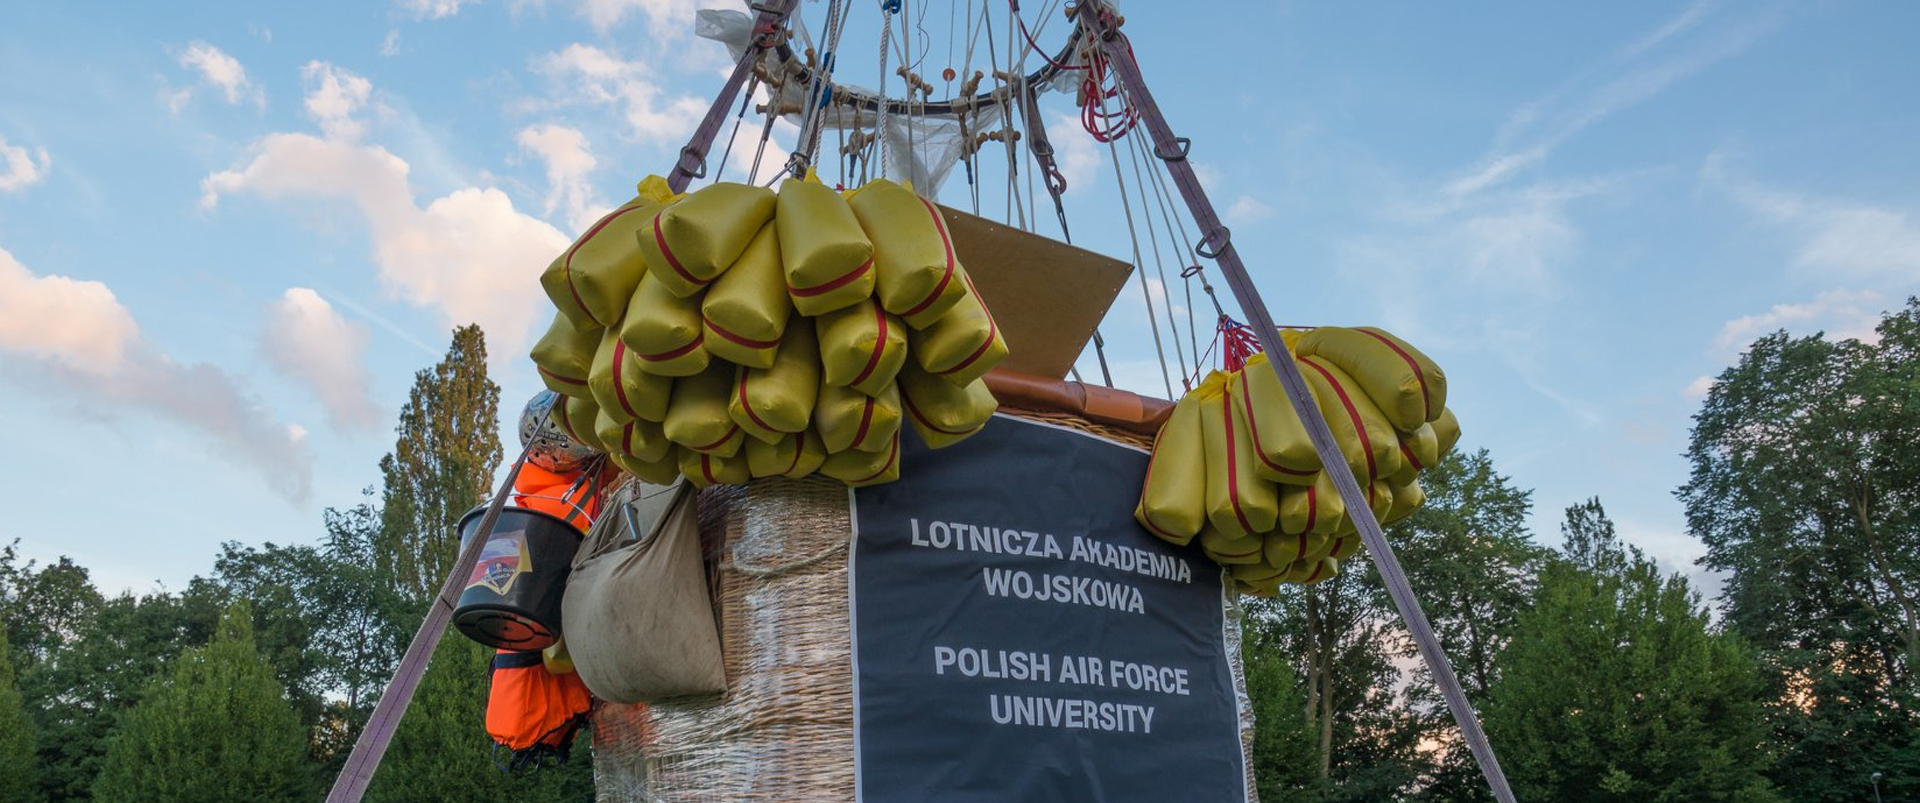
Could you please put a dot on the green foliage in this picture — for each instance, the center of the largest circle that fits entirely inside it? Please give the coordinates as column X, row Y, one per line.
column 1615, row 687
column 216, row 728
column 19, row 762
column 1283, row 746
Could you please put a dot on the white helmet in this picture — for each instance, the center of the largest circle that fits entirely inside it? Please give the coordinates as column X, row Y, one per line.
column 547, row 446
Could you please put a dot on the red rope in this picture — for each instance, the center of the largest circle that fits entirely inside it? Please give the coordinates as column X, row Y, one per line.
column 1239, row 343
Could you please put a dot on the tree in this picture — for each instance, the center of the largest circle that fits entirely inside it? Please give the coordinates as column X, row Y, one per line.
column 215, row 728
column 441, row 465
column 19, row 761
column 1616, row 688
column 1283, row 746
column 1805, row 487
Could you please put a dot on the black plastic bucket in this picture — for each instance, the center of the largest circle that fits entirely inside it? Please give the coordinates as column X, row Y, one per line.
column 512, row 599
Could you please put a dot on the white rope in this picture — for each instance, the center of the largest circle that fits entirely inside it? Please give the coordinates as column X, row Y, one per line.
column 1152, row 323
column 1159, row 264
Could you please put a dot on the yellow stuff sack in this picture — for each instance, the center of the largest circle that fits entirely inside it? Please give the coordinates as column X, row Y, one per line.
column 1239, row 503
column 849, row 419
column 1281, row 449
column 1173, row 498
column 661, row 472
column 1419, row 450
column 770, row 403
column 828, row 259
column 942, row 413
column 623, row 391
column 697, row 419
column 1230, row 550
column 796, row 455
column 859, row 469
column 591, row 280
column 704, row 470
column 912, row 251
column 1370, row 444
column 576, row 418
column 861, row 346
column 664, row 331
column 1409, row 389
column 1446, row 430
column 1407, row 498
column 963, row 344
column 1345, row 546
column 639, row 440
column 1258, row 575
column 1280, row 549
column 690, row 243
column 745, row 312
column 1313, row 572
column 1315, row 508
column 564, row 357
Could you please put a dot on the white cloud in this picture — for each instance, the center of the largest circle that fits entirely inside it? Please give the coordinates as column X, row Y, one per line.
column 223, row 72
column 434, row 9
column 1246, row 210
column 664, row 17
column 569, row 162
column 390, row 46
column 307, row 339
column 1857, row 240
column 91, row 348
column 1078, row 156
column 1698, row 388
column 1841, row 314
column 334, row 97
column 584, row 75
column 21, row 168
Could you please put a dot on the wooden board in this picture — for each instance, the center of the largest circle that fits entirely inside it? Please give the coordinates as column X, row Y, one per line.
column 1046, row 296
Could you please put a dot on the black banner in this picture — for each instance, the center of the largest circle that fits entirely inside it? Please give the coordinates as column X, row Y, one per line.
column 1018, row 637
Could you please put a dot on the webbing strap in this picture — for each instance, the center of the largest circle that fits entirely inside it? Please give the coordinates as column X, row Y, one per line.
column 352, row 782
column 692, row 163
column 1100, row 22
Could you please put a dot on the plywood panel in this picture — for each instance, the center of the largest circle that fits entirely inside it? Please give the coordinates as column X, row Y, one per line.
column 1047, row 296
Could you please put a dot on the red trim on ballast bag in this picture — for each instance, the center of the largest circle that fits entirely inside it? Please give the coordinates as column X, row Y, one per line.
column 1359, row 426
column 619, row 378
column 879, row 346
column 917, row 416
column 558, row 378
column 567, row 266
column 844, row 280
column 739, row 339
column 993, row 331
column 716, row 444
column 945, row 278
column 679, row 352
column 866, row 418
column 799, row 448
column 673, row 262
column 1253, row 429
column 893, row 454
column 1233, row 477
column 741, row 393
column 1426, row 401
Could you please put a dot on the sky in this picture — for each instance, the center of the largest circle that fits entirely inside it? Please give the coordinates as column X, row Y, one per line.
column 230, row 232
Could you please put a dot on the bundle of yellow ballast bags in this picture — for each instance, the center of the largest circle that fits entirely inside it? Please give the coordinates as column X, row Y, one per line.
column 736, row 333
column 1233, row 468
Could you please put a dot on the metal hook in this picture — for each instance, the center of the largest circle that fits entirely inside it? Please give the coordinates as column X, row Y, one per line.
column 1223, row 235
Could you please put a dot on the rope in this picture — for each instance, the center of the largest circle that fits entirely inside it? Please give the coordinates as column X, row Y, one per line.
column 1153, row 239
column 1133, row 234
column 784, row 568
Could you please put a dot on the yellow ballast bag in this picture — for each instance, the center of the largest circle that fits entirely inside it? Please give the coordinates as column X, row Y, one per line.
column 1345, row 546
column 1230, row 550
column 660, row 472
column 861, row 346
column 1419, row 449
column 1313, row 572
column 769, row 403
column 849, row 419
column 963, row 344
column 859, row 469
column 1370, row 444
column 576, row 417
column 697, row 419
column 564, row 357
column 1407, row 498
column 1239, row 503
column 1409, row 389
column 945, row 414
column 795, row 455
column 1280, row 549
column 623, row 391
column 1173, row 498
column 828, row 260
column 690, row 243
column 1315, row 508
column 704, row 469
column 1446, row 430
column 1258, row 575
column 1282, row 453
column 639, row 440
column 912, row 251
column 664, row 331
column 591, row 281
column 745, row 312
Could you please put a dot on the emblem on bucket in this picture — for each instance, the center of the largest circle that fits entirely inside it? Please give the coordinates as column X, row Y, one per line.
column 502, row 560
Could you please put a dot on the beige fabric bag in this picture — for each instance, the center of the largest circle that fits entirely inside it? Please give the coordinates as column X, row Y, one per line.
column 637, row 611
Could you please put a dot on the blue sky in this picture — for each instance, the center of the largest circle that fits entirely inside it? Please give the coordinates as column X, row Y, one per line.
column 230, row 232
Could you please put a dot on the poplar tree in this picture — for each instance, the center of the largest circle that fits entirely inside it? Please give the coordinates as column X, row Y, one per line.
column 19, row 763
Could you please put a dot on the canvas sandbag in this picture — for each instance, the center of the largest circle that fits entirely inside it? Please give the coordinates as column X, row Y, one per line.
column 591, row 281
column 943, row 413
column 564, row 357
column 697, row 419
column 1369, row 443
column 576, row 417
column 1446, row 431
column 1173, row 497
column 861, row 346
column 1408, row 388
column 638, row 439
column 1420, row 448
column 659, row 472
column 1315, row 508
column 828, row 259
column 848, row 419
column 770, row 403
column 1407, row 498
column 1257, row 575
column 624, row 391
column 745, row 312
column 690, row 243
column 705, row 470
column 1281, row 550
column 915, row 270
column 1313, row 572
column 1239, row 503
column 961, row 345
column 1228, row 550
column 858, row 469
column 638, row 612
column 1281, row 449
column 795, row 455
column 664, row 331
